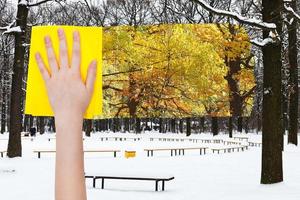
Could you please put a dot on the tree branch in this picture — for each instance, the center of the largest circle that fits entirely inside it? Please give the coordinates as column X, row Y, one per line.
column 38, row 3
column 123, row 72
column 237, row 17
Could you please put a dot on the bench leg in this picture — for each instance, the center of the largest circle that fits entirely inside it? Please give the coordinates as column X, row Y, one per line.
column 163, row 185
column 115, row 154
column 147, row 153
column 200, row 151
column 102, row 185
column 171, row 152
column 156, row 186
column 183, row 155
column 152, row 153
column 39, row 154
column 1, row 154
column 94, row 182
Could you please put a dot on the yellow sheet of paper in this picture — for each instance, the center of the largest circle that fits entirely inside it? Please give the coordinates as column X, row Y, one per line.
column 37, row 103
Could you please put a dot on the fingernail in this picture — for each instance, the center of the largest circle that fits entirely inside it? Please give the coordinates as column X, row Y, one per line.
column 37, row 55
column 94, row 63
column 47, row 39
column 60, row 32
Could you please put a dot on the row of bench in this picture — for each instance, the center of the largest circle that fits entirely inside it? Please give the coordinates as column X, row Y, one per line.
column 150, row 152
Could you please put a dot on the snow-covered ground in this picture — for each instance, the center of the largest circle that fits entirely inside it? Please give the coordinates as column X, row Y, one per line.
column 227, row 176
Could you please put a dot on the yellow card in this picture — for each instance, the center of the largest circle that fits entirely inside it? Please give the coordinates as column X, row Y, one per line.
column 37, row 103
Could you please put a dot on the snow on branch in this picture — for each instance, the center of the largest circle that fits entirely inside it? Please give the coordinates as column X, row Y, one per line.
column 273, row 38
column 23, row 2
column 263, row 42
column 16, row 29
column 38, row 3
column 289, row 9
column 236, row 16
column 8, row 26
column 11, row 28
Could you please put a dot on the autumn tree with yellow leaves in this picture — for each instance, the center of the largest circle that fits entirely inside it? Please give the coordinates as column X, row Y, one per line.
column 177, row 70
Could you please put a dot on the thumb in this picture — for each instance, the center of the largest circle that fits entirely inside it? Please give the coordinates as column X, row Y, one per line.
column 91, row 76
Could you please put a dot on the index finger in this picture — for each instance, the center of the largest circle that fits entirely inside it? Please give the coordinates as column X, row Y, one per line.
column 76, row 52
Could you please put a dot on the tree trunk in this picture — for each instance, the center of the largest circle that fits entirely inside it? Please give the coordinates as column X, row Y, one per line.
column 138, row 125
column 88, row 127
column 230, row 126
column 214, row 126
column 240, row 124
column 293, row 108
column 272, row 112
column 41, row 125
column 202, row 124
column 188, row 126
column 14, row 144
column 181, row 125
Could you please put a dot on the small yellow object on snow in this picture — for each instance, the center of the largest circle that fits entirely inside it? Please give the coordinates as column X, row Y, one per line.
column 130, row 154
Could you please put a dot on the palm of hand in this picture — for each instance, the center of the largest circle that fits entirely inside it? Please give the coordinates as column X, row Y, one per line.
column 66, row 90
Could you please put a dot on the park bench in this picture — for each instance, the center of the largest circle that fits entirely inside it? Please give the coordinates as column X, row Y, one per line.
column 241, row 138
column 176, row 151
column 54, row 138
column 167, row 139
column 27, row 138
column 229, row 142
column 39, row 152
column 2, row 152
column 216, row 141
column 156, row 178
column 120, row 138
column 255, row 144
column 229, row 149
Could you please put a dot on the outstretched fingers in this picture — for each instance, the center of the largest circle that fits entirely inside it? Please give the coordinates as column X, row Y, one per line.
column 91, row 77
column 42, row 67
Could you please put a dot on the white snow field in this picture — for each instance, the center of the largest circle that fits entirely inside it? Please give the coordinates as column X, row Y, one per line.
column 229, row 176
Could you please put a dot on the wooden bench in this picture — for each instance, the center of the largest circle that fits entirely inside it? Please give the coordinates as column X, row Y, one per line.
column 39, row 152
column 156, row 178
column 54, row 138
column 176, row 151
column 241, row 138
column 227, row 142
column 216, row 141
column 229, row 149
column 120, row 138
column 2, row 152
column 255, row 144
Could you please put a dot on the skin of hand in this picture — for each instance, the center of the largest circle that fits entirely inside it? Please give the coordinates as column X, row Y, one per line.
column 69, row 97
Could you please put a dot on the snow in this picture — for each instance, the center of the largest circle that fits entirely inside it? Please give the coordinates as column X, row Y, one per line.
column 292, row 11
column 23, row 2
column 263, row 42
column 238, row 17
column 16, row 29
column 229, row 176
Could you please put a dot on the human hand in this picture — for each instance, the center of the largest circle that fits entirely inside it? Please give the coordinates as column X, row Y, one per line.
column 67, row 92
